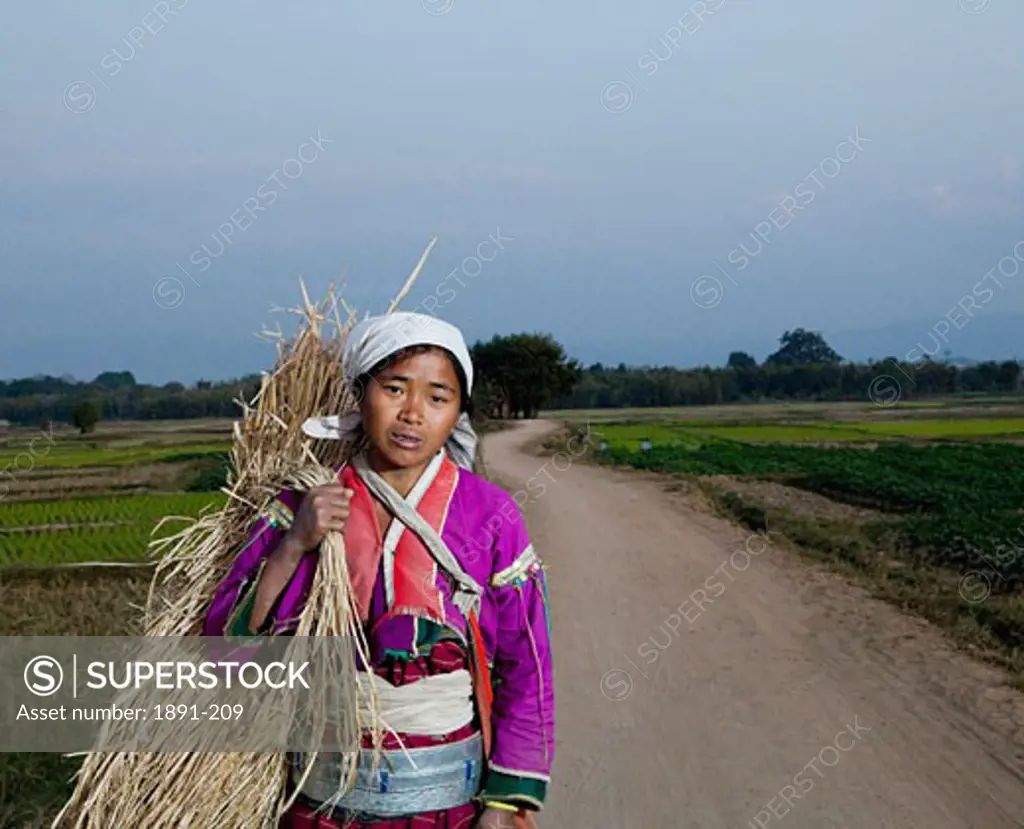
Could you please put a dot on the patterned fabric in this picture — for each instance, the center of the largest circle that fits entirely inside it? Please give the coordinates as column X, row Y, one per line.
column 445, row 657
column 280, row 514
column 304, row 817
column 410, row 572
column 485, row 531
column 519, row 570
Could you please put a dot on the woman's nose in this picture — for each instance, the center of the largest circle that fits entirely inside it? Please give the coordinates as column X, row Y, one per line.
column 412, row 410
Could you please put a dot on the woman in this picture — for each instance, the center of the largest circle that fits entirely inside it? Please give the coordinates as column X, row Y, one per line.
column 461, row 604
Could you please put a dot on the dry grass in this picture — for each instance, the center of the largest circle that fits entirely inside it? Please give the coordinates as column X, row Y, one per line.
column 44, row 602
column 49, row 602
column 269, row 452
column 201, row 425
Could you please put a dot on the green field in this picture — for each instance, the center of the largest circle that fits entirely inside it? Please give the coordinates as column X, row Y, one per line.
column 140, row 509
column 957, row 504
column 950, row 428
column 75, row 456
column 668, row 432
column 75, row 546
column 93, row 529
column 976, row 407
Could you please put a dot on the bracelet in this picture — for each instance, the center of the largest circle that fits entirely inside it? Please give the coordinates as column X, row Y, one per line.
column 494, row 804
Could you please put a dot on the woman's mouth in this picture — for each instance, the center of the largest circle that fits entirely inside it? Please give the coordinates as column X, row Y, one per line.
column 406, row 440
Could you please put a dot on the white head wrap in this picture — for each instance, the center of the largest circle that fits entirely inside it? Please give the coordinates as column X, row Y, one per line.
column 377, row 338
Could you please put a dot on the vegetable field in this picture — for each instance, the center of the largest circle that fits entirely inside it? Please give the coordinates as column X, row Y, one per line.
column 817, row 431
column 957, row 504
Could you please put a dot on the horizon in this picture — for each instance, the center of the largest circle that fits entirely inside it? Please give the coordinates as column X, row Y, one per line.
column 953, row 359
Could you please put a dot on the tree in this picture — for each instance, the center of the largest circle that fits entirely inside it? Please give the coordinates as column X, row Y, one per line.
column 741, row 360
column 744, row 379
column 114, row 379
column 488, row 399
column 803, row 348
column 522, row 373
column 84, row 416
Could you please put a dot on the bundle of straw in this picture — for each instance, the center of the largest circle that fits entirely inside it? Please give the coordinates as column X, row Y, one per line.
column 269, row 452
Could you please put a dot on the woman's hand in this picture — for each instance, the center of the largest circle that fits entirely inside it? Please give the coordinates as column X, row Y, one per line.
column 323, row 509
column 496, row 819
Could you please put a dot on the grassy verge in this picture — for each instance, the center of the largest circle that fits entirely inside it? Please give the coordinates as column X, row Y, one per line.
column 41, row 602
column 989, row 624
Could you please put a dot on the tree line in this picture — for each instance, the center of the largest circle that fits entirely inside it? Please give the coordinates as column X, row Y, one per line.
column 803, row 368
column 882, row 382
column 521, row 374
column 117, row 396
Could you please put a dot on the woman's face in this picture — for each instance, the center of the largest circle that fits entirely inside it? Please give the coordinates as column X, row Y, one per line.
column 410, row 408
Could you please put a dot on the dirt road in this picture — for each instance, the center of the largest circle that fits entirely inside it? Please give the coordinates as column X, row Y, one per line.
column 709, row 680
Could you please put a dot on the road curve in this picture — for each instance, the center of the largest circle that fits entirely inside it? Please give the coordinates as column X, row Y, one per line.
column 708, row 679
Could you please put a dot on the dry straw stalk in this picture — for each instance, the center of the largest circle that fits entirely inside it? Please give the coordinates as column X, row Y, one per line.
column 160, row 790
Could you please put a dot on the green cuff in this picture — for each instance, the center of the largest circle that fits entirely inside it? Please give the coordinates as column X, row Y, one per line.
column 525, row 792
column 238, row 622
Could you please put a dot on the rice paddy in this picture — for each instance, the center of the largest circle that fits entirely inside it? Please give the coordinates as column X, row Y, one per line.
column 117, row 529
column 41, row 527
column 135, row 509
column 22, row 457
column 124, row 479
column 76, row 546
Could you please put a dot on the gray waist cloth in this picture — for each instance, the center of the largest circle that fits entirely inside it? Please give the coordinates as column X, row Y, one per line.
column 443, row 777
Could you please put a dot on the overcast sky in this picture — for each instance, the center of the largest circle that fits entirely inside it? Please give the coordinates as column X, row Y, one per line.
column 866, row 155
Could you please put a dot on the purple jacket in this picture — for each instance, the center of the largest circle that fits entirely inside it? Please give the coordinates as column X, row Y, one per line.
column 484, row 528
